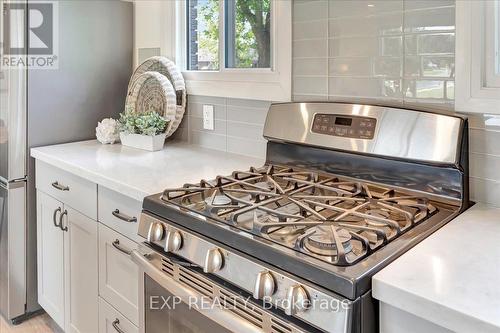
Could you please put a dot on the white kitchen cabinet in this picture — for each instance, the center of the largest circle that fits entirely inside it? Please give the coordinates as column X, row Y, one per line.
column 80, row 259
column 81, row 272
column 112, row 321
column 119, row 212
column 477, row 77
column 50, row 244
column 67, row 265
column 78, row 193
column 118, row 274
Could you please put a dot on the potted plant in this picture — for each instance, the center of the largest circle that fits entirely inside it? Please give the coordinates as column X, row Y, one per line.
column 143, row 130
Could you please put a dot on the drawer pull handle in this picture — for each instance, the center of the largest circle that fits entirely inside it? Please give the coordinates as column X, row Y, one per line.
column 116, row 327
column 116, row 245
column 58, row 210
column 116, row 213
column 61, row 220
column 60, row 187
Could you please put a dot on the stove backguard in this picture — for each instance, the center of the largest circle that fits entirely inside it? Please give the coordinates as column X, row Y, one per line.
column 416, row 150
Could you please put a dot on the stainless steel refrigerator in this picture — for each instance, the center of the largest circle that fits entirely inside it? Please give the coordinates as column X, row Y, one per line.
column 42, row 107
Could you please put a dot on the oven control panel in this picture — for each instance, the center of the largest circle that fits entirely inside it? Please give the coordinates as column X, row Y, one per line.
column 344, row 126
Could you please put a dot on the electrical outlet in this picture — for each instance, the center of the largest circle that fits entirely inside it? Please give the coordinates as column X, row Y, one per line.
column 208, row 117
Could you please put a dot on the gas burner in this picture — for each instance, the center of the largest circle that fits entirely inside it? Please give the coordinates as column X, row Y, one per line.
column 218, row 200
column 379, row 214
column 324, row 240
column 336, row 220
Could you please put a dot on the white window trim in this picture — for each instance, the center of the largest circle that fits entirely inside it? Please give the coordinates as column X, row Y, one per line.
column 492, row 71
column 261, row 84
column 473, row 92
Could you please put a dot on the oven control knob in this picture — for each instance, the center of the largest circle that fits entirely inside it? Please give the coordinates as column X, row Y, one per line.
column 173, row 241
column 264, row 285
column 213, row 261
column 297, row 300
column 156, row 232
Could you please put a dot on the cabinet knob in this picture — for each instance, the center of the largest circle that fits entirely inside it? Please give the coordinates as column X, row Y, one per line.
column 213, row 261
column 173, row 241
column 297, row 300
column 264, row 285
column 156, row 232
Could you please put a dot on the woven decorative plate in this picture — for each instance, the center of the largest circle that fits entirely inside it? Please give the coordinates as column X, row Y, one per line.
column 152, row 91
column 168, row 68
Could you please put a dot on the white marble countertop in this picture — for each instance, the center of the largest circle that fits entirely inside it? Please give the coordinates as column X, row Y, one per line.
column 452, row 277
column 137, row 173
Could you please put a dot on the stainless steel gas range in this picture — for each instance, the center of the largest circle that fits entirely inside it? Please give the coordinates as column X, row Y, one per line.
column 291, row 246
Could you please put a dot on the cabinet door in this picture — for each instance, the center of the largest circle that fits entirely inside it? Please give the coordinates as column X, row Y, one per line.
column 118, row 274
column 112, row 321
column 50, row 257
column 81, row 292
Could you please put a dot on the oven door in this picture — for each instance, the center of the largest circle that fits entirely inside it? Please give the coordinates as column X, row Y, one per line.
column 178, row 297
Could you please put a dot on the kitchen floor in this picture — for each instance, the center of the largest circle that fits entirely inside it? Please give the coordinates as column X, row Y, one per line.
column 39, row 324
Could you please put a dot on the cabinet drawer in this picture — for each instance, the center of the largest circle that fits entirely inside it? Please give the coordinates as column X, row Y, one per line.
column 118, row 274
column 108, row 317
column 76, row 192
column 119, row 212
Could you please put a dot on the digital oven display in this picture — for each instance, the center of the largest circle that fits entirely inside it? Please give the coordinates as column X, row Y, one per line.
column 343, row 121
column 350, row 127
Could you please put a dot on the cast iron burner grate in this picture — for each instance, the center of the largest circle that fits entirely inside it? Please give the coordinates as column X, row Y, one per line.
column 321, row 215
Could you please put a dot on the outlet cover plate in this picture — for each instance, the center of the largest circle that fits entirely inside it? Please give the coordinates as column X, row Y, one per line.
column 208, row 117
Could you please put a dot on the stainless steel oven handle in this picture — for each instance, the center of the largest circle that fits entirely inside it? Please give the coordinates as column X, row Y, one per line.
column 222, row 317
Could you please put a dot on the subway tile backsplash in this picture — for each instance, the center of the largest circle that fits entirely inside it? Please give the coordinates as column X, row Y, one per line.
column 239, row 125
column 397, row 51
column 484, row 158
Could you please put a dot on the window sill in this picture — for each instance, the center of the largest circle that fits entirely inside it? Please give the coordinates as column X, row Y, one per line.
column 263, row 85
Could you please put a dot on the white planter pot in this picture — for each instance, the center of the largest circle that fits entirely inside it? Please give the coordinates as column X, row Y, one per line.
column 145, row 142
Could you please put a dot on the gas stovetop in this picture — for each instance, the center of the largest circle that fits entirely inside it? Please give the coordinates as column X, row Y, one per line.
column 333, row 204
column 334, row 219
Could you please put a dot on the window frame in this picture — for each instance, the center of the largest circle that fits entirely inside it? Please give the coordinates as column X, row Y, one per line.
column 473, row 92
column 492, row 39
column 271, row 84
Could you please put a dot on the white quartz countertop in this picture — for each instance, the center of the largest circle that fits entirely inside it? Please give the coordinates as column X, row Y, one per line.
column 452, row 278
column 137, row 173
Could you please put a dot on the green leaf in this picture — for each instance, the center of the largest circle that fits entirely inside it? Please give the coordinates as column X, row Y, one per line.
column 146, row 123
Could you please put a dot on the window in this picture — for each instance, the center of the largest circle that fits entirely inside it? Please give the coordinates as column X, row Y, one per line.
column 203, row 34
column 246, row 36
column 247, row 33
column 235, row 48
column 477, row 79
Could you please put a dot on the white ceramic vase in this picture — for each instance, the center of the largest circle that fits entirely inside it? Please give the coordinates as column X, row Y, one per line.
column 145, row 142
